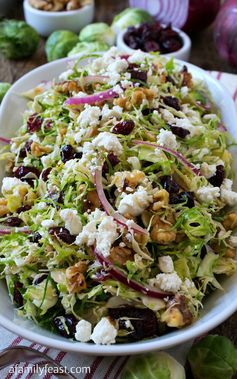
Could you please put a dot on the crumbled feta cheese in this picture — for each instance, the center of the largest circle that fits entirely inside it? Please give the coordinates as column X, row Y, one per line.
column 64, row 75
column 134, row 162
column 208, row 170
column 89, row 116
column 104, row 235
column 119, row 65
column 48, row 223
column 167, row 139
column 104, row 332
column 135, row 203
column 72, row 220
column 83, row 331
column 169, row 282
column 108, row 113
column 200, row 153
column 137, row 57
column 11, row 185
column 126, row 84
column 208, row 194
column 166, row 264
column 49, row 160
column 184, row 91
column 233, row 241
column 227, row 195
column 109, row 142
column 118, row 89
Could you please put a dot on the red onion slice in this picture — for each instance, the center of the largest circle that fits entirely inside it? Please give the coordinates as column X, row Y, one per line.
column 24, row 229
column 7, row 141
column 221, row 127
column 92, row 99
column 177, row 155
column 122, row 278
column 110, row 210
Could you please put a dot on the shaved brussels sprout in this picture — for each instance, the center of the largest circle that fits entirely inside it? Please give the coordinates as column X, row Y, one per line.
column 4, row 87
column 153, row 366
column 59, row 44
column 130, row 17
column 97, row 32
column 88, row 47
column 213, row 357
column 17, row 39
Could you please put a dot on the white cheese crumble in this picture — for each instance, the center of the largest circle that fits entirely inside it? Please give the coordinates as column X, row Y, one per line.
column 101, row 229
column 227, row 195
column 166, row 264
column 104, row 332
column 11, row 185
column 72, row 220
column 108, row 113
column 233, row 241
column 208, row 194
column 135, row 203
column 49, row 160
column 49, row 223
column 119, row 65
column 83, row 331
column 208, row 170
column 167, row 139
column 135, row 163
column 137, row 57
column 89, row 116
column 169, row 282
column 109, row 142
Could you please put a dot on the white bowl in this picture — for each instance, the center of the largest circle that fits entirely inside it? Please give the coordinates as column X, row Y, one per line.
column 218, row 307
column 47, row 22
column 183, row 53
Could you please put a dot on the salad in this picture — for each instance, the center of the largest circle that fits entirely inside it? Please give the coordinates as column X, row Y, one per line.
column 117, row 208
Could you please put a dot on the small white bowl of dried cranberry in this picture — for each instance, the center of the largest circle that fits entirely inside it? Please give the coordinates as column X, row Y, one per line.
column 154, row 37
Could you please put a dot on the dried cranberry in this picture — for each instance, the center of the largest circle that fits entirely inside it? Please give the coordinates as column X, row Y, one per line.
column 17, row 296
column 39, row 279
column 144, row 321
column 139, row 75
column 24, row 208
column 77, row 155
column 151, row 46
column 22, row 171
column 13, row 221
column 105, row 168
column 172, row 44
column 183, row 197
column 124, row 127
column 113, row 159
column 26, row 149
column 203, row 251
column 217, row 179
column 169, row 184
column 178, row 131
column 35, row 238
column 34, row 123
column 48, row 124
column 172, row 102
column 62, row 233
column 66, row 325
column 67, row 153
column 45, row 174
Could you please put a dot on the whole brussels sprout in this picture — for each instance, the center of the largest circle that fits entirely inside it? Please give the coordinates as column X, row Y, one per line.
column 130, row 17
column 88, row 47
column 17, row 39
column 97, row 32
column 59, row 44
column 4, row 87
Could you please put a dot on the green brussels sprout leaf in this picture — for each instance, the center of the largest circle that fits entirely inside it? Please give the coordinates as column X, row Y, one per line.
column 88, row 47
column 130, row 17
column 59, row 44
column 97, row 32
column 17, row 39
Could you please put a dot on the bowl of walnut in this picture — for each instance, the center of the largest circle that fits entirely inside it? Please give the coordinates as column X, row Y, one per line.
column 47, row 16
